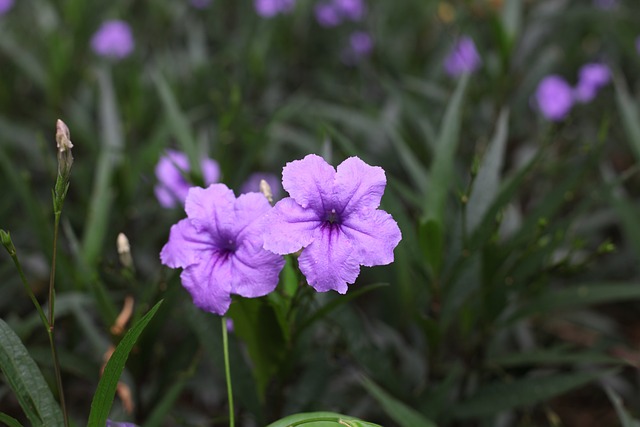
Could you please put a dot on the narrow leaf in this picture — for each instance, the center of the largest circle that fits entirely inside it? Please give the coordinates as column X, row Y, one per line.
column 25, row 379
column 630, row 116
column 9, row 421
column 625, row 419
column 321, row 419
column 103, row 398
column 402, row 414
column 494, row 398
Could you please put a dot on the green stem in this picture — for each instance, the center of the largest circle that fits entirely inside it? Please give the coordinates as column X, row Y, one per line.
column 227, row 371
column 50, row 329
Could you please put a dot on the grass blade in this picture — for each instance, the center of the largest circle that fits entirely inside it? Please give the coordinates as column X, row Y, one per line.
column 26, row 381
column 103, row 398
column 630, row 116
column 321, row 419
column 9, row 421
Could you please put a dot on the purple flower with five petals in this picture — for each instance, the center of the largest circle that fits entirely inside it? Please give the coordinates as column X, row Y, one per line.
column 219, row 246
column 172, row 187
column 333, row 217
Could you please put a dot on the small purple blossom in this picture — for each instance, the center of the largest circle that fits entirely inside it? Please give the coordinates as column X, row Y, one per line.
column 219, row 246
column 5, row 6
column 172, row 187
column 333, row 12
column 119, row 424
column 229, row 324
column 252, row 184
column 327, row 15
column 554, row 97
column 200, row 4
column 463, row 58
column 271, row 8
column 360, row 46
column 113, row 39
column 351, row 9
column 605, row 4
column 591, row 78
column 638, row 44
column 333, row 217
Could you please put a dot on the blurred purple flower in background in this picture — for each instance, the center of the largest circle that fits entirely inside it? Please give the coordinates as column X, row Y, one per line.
column 172, row 187
column 119, row 424
column 219, row 246
column 5, row 6
column 360, row 46
column 333, row 12
column 200, row 4
column 605, row 4
column 333, row 217
column 554, row 97
column 591, row 78
column 113, row 39
column 463, row 58
column 271, row 8
column 252, row 184
column 638, row 44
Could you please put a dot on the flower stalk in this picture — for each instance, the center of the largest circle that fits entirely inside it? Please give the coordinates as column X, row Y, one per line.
column 227, row 370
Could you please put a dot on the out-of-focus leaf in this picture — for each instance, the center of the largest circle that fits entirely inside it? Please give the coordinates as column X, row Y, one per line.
column 103, row 397
column 487, row 181
column 110, row 156
column 431, row 239
column 24, row 59
column 402, row 414
column 512, row 19
column 630, row 116
column 577, row 297
column 552, row 357
column 321, row 419
column 441, row 175
column 501, row 396
column 625, row 419
column 9, row 421
column 257, row 324
column 25, row 379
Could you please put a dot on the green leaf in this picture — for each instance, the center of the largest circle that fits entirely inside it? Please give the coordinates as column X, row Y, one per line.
column 25, row 379
column 487, row 181
column 257, row 324
column 625, row 419
column 552, row 357
column 103, row 398
column 431, row 239
column 9, row 421
column 441, row 175
column 630, row 116
column 321, row 419
column 493, row 398
column 577, row 297
column 402, row 414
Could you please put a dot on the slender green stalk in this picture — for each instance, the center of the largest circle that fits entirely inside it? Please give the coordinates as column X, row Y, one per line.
column 227, row 371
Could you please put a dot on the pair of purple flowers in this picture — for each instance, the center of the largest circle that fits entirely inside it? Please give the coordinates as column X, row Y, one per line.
column 555, row 97
column 230, row 245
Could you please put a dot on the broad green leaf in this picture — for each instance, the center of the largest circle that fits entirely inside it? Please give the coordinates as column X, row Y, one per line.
column 25, row 379
column 442, row 166
column 402, row 414
column 630, row 116
column 577, row 297
column 110, row 156
column 257, row 324
column 103, row 398
column 487, row 181
column 500, row 396
column 321, row 419
column 625, row 419
column 9, row 421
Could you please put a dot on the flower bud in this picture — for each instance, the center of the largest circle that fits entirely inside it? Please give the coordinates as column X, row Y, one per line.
column 124, row 251
column 265, row 189
column 63, row 141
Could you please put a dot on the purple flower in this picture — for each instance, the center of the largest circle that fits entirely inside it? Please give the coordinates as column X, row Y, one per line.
column 591, row 78
column 334, row 218
column 605, row 4
column 638, row 44
column 271, row 8
column 172, row 187
column 229, row 324
column 360, row 46
column 219, row 246
column 351, row 9
column 200, row 4
column 113, row 40
column 327, row 15
column 554, row 97
column 464, row 58
column 252, row 184
column 119, row 424
column 5, row 6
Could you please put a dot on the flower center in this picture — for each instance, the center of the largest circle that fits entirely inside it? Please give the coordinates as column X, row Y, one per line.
column 332, row 217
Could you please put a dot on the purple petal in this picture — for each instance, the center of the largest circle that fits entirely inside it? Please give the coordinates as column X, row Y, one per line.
column 208, row 282
column 359, row 186
column 288, row 227
column 187, row 245
column 211, row 207
column 248, row 208
column 255, row 271
column 210, row 171
column 327, row 263
column 374, row 236
column 309, row 181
